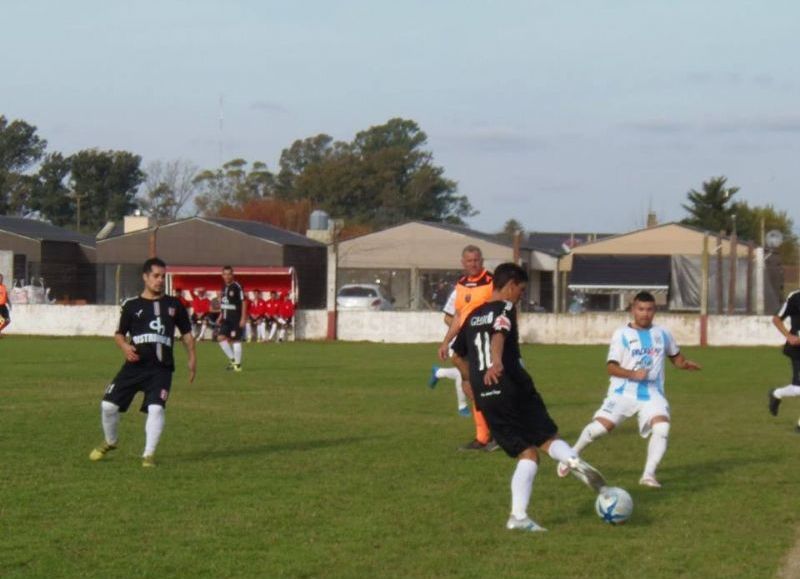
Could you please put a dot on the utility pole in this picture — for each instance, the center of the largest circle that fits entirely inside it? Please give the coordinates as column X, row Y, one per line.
column 77, row 197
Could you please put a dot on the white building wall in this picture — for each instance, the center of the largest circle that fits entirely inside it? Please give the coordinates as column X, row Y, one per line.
column 412, row 327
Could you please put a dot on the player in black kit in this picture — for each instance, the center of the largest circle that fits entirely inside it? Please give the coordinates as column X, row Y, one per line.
column 506, row 395
column 150, row 320
column 790, row 309
column 232, row 319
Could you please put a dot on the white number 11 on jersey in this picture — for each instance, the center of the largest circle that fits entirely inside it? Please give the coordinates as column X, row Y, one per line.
column 484, row 345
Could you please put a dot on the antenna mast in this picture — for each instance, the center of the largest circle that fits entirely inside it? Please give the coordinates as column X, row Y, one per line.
column 221, row 119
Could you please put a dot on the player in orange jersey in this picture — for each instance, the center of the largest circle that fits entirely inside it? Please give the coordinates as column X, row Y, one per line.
column 473, row 290
column 5, row 315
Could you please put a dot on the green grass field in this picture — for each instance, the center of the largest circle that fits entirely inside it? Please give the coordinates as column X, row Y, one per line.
column 335, row 460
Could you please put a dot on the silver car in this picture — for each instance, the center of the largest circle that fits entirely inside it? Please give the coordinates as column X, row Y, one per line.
column 363, row 296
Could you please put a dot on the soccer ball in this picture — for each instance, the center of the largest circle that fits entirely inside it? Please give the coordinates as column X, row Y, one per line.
column 614, row 505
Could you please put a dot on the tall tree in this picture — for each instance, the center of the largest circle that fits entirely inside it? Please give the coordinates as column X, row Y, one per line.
column 20, row 148
column 711, row 209
column 168, row 187
column 232, row 186
column 49, row 194
column 104, row 183
column 383, row 177
column 398, row 179
column 511, row 227
column 298, row 157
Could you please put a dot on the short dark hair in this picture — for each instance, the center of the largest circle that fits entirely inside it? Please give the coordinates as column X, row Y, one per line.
column 644, row 297
column 229, row 267
column 153, row 261
column 507, row 272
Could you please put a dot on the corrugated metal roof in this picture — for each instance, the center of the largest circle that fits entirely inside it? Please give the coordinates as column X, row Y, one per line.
column 554, row 243
column 252, row 228
column 265, row 231
column 42, row 231
column 468, row 232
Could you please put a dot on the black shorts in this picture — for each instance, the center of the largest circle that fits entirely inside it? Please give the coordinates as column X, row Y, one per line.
column 154, row 381
column 230, row 330
column 198, row 318
column 5, row 313
column 516, row 415
column 794, row 354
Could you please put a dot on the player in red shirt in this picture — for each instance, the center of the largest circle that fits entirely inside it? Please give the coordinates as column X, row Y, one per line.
column 201, row 306
column 271, row 314
column 285, row 315
column 178, row 293
column 261, row 307
column 255, row 314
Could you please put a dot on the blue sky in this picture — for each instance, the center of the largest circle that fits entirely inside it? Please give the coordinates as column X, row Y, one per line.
column 573, row 116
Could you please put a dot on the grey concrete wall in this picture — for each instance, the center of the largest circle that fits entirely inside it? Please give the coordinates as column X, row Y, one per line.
column 413, row 327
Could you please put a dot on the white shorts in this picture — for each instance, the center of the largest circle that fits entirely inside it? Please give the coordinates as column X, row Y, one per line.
column 616, row 409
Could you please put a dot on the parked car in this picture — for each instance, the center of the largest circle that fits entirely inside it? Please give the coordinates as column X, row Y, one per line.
column 363, row 296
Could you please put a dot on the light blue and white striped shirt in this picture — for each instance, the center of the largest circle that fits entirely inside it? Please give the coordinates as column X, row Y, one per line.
column 634, row 349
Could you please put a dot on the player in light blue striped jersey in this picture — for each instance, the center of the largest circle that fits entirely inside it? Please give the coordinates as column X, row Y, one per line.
column 636, row 365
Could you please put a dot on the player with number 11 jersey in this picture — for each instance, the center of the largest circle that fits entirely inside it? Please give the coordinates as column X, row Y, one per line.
column 506, row 395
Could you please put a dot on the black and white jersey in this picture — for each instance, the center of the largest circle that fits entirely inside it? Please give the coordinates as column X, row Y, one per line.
column 475, row 342
column 231, row 302
column 151, row 325
column 791, row 309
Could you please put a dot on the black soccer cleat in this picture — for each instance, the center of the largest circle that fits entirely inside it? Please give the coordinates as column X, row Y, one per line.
column 774, row 403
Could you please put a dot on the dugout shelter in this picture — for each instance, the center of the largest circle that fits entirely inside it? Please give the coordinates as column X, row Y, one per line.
column 186, row 278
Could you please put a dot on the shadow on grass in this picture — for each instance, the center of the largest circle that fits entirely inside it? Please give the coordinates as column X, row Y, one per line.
column 289, row 446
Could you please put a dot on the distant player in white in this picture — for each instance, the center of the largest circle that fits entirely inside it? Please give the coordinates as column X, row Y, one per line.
column 452, row 373
column 636, row 366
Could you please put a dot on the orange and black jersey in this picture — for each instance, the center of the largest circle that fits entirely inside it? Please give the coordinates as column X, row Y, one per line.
column 151, row 325
column 473, row 292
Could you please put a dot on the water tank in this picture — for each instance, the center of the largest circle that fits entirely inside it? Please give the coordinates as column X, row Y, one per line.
column 318, row 220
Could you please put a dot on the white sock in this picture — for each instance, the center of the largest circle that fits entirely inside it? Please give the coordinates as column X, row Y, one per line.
column 460, row 396
column 109, row 416
column 656, row 447
column 237, row 352
column 272, row 330
column 561, row 451
column 282, row 334
column 451, row 373
column 226, row 347
column 522, row 487
column 248, row 332
column 454, row 374
column 786, row 391
column 262, row 331
column 153, row 427
column 591, row 432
